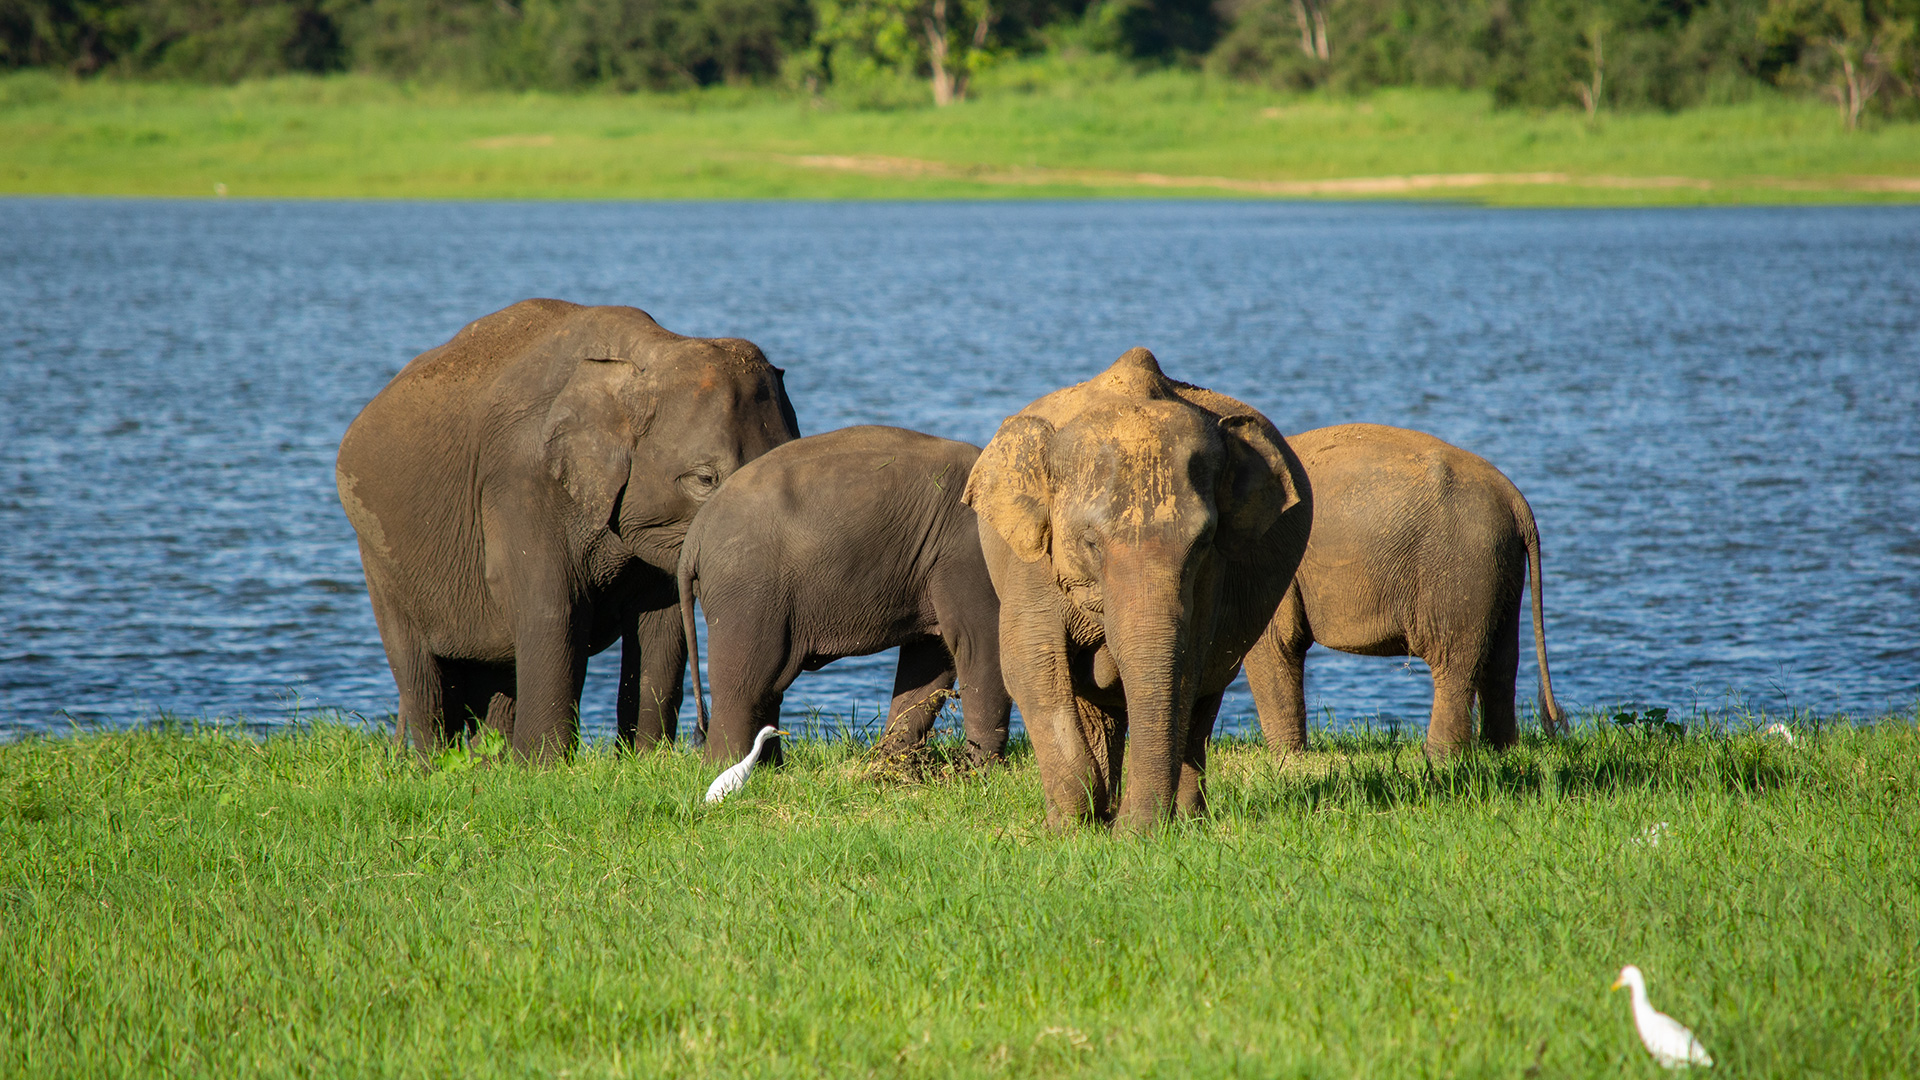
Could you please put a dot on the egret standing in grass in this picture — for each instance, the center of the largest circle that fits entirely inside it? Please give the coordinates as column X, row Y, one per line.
column 736, row 776
column 1670, row 1043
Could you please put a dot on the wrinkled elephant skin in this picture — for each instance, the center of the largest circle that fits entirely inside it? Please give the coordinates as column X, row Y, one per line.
column 844, row 544
column 1417, row 548
column 1140, row 533
column 520, row 494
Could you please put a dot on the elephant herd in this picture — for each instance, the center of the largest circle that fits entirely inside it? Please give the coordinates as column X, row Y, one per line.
column 558, row 477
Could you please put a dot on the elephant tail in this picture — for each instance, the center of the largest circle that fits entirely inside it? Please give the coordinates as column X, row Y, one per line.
column 688, row 575
column 1552, row 719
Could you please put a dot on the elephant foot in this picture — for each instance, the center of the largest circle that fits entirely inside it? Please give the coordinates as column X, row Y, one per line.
column 1283, row 745
column 984, row 757
column 896, row 743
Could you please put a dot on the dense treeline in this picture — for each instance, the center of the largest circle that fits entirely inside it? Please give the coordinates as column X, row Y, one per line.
column 1863, row 54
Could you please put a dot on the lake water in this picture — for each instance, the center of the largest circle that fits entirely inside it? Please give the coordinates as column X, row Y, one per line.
column 1715, row 413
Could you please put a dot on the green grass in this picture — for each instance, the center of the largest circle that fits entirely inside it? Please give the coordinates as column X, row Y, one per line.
column 197, row 902
column 1036, row 129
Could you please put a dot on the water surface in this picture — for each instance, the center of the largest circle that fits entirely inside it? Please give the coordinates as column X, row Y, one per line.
column 1713, row 412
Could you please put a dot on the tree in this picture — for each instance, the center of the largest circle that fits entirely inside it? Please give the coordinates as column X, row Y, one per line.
column 940, row 40
column 1852, row 49
column 1312, row 18
column 1591, row 38
column 951, row 71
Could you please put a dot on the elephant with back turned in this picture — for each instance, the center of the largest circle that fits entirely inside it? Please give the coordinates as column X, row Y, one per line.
column 520, row 494
column 845, row 544
column 1418, row 547
column 1140, row 533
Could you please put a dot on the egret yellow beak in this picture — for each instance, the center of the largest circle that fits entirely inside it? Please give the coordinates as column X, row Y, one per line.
column 788, row 734
column 1617, row 984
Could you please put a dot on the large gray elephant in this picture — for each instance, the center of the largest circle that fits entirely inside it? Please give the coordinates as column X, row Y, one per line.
column 1140, row 533
column 1418, row 547
column 845, row 544
column 521, row 493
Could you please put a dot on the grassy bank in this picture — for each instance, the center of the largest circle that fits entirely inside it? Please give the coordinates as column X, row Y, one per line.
column 1034, row 131
column 197, row 903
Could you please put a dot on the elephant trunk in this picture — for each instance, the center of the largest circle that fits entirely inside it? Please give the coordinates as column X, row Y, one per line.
column 1149, row 628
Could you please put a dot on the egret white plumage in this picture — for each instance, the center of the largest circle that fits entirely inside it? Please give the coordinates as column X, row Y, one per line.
column 1781, row 730
column 1668, row 1040
column 736, row 775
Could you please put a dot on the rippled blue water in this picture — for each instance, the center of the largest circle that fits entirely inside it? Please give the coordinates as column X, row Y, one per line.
column 1715, row 413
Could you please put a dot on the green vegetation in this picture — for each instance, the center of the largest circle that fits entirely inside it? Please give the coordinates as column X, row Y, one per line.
column 193, row 902
column 1034, row 131
column 1600, row 54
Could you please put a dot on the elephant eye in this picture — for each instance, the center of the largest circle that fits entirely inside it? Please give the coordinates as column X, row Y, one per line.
column 702, row 479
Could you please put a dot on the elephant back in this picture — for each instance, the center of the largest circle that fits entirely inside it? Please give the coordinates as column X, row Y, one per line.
column 487, row 344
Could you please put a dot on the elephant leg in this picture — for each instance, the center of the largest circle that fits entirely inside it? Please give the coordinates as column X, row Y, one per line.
column 1074, row 772
column 550, row 662
column 749, row 667
column 1072, row 775
column 969, row 614
column 500, row 710
column 653, row 659
column 1104, row 735
column 1033, row 655
column 1276, row 673
column 985, row 708
column 1494, row 686
column 1450, row 727
column 920, row 686
column 420, row 721
column 1190, row 799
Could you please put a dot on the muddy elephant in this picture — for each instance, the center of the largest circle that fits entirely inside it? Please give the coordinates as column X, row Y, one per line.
column 845, row 544
column 1418, row 547
column 1140, row 533
column 520, row 494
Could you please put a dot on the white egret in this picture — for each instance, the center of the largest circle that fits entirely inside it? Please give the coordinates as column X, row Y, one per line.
column 1781, row 730
column 1670, row 1043
column 1654, row 832
column 736, row 776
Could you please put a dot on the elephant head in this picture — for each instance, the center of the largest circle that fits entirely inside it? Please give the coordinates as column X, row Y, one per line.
column 647, row 424
column 1129, row 523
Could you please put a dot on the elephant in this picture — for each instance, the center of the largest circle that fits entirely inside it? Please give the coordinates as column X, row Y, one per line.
column 1140, row 533
column 1417, row 547
column 837, row 545
column 520, row 494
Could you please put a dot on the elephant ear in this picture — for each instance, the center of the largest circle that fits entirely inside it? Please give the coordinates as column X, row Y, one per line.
column 590, row 432
column 786, row 405
column 1257, row 486
column 1011, row 488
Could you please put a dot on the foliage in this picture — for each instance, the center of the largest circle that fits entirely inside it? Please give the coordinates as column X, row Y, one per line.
column 1860, row 53
column 870, row 49
column 1599, row 54
column 1357, row 45
column 555, row 44
column 196, row 901
column 1653, row 721
column 1639, row 53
